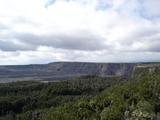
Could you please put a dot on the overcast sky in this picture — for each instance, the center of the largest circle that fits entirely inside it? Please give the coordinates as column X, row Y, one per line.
column 42, row 31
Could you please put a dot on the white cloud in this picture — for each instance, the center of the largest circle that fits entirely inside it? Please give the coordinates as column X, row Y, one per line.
column 80, row 30
column 151, row 8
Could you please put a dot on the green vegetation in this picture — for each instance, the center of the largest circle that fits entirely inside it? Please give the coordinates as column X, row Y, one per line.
column 86, row 98
column 26, row 100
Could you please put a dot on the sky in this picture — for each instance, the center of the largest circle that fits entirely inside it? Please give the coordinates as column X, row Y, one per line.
column 43, row 31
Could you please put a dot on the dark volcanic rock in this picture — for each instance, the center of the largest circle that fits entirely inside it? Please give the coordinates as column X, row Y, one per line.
column 63, row 70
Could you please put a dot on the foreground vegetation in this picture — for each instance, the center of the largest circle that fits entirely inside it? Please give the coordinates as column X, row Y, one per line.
column 28, row 100
column 86, row 98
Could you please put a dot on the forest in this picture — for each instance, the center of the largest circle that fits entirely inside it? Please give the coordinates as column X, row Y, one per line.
column 84, row 98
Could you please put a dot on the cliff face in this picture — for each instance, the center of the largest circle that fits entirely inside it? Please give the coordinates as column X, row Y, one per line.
column 102, row 69
column 63, row 71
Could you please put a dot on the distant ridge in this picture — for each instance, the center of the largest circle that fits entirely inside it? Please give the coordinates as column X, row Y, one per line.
column 64, row 70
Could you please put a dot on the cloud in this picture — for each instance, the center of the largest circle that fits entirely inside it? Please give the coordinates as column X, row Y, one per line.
column 47, row 54
column 15, row 45
column 151, row 8
column 2, row 27
column 80, row 30
column 75, row 41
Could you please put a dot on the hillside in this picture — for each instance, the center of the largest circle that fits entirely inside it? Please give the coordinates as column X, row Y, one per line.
column 63, row 71
column 85, row 98
column 137, row 99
